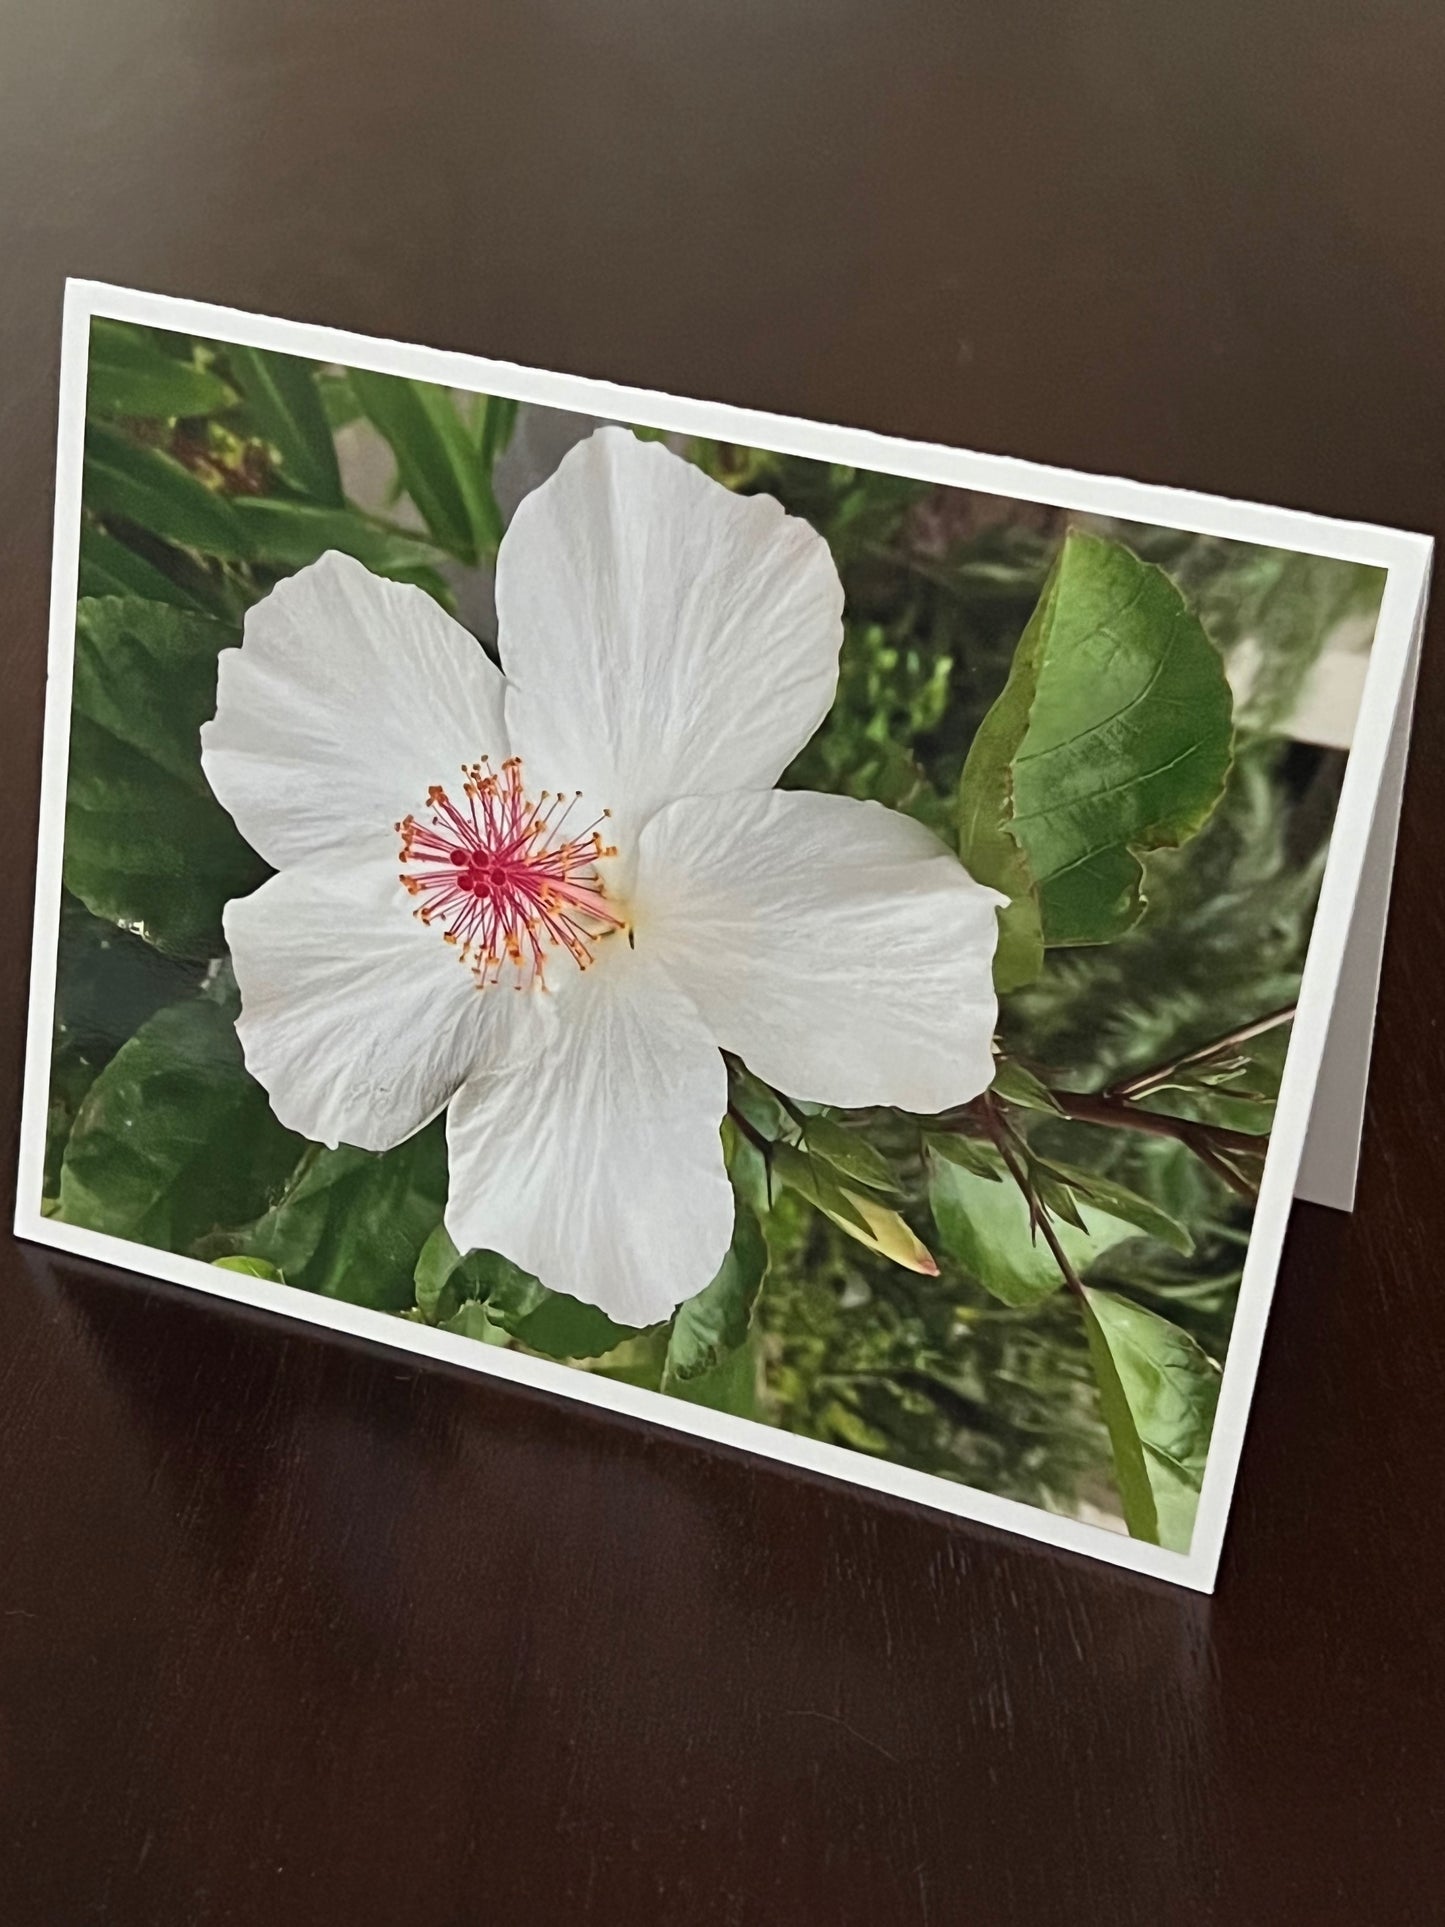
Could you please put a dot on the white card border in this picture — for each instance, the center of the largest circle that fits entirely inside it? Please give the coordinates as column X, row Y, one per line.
column 1405, row 556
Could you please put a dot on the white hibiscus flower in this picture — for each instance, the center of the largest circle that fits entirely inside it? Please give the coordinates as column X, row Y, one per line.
column 546, row 900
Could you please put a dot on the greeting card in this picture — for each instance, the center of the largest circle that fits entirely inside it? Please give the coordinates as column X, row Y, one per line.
column 825, row 943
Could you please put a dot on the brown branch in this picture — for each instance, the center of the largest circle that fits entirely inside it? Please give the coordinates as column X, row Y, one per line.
column 1038, row 1210
column 1212, row 1144
column 1139, row 1082
column 1118, row 1114
column 1117, row 1109
column 1223, row 1169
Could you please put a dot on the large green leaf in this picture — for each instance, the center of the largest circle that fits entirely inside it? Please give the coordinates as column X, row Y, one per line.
column 516, row 1305
column 287, row 535
column 283, row 405
column 354, row 1223
column 448, row 1280
column 1112, row 737
column 985, row 1225
column 1131, row 1473
column 1093, row 1188
column 109, row 568
column 146, row 843
column 470, row 1320
column 144, row 486
column 437, row 463
column 731, row 1386
column 992, row 852
column 1170, row 1389
column 548, row 1321
column 108, row 983
column 439, row 1288
column 130, row 375
column 710, row 1326
column 174, row 1139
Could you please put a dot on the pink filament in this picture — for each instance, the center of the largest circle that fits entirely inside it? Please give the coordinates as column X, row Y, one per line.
column 502, row 876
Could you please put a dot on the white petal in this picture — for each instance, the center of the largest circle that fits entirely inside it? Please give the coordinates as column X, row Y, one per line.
column 348, row 698
column 358, row 1022
column 661, row 636
column 599, row 1167
column 835, row 946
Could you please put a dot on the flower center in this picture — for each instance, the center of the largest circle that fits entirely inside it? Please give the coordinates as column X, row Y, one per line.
column 504, row 877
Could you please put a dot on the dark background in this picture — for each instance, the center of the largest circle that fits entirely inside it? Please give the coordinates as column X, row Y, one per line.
column 293, row 1631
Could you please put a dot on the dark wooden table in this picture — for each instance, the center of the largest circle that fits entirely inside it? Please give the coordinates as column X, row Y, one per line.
column 293, row 1631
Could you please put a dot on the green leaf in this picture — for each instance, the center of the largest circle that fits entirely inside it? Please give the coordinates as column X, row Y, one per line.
column 447, row 1280
column 793, row 1167
column 1131, row 1473
column 747, row 1168
column 1014, row 1081
column 109, row 568
column 970, row 1153
column 353, row 1223
column 436, row 1262
column 288, row 535
column 146, row 675
column 470, row 1320
column 174, row 1139
column 1171, row 1392
column 448, row 1283
column 496, row 418
column 986, row 1226
column 109, row 981
column 757, row 1102
column 863, row 1217
column 130, row 375
column 706, row 1328
column 249, row 1268
column 548, row 1321
column 143, row 486
column 1120, row 1202
column 1054, row 1195
column 731, row 1386
column 992, row 851
column 638, row 1361
column 283, row 406
column 1112, row 738
column 337, row 398
column 144, row 853
column 438, row 466
column 849, row 1154
column 146, row 843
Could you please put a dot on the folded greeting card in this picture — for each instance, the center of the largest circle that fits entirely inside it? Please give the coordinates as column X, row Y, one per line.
column 830, row 944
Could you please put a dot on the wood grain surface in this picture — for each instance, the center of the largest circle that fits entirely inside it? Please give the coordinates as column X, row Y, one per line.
column 293, row 1631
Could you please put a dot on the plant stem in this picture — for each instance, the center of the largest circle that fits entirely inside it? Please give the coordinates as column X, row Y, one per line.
column 1140, row 1082
column 1118, row 1113
column 1038, row 1211
column 1222, row 1168
column 746, row 1128
column 1206, row 1141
